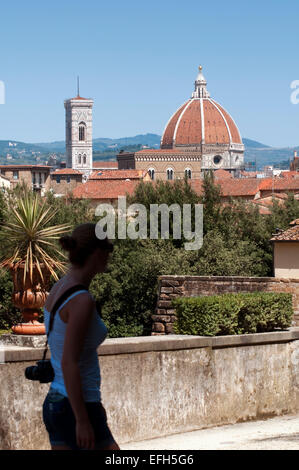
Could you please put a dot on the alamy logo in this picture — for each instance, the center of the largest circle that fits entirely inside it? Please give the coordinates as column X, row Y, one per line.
column 295, row 93
column 137, row 222
column 2, row 92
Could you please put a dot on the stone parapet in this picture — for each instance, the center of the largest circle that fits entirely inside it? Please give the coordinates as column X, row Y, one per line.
column 156, row 386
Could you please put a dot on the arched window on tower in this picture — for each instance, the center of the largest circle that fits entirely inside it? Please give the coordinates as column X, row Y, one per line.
column 84, row 159
column 82, row 131
column 169, row 173
column 79, row 159
column 151, row 172
column 188, row 173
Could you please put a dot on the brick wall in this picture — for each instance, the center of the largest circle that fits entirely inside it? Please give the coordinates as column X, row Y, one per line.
column 171, row 287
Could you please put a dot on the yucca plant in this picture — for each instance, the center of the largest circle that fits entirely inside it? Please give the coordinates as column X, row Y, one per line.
column 29, row 243
column 28, row 237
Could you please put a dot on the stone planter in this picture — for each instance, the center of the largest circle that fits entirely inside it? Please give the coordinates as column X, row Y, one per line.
column 29, row 298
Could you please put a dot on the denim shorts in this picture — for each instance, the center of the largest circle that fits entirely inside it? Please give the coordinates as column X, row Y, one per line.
column 60, row 422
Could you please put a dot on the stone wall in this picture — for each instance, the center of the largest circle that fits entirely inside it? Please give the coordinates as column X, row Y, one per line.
column 171, row 287
column 157, row 386
column 67, row 183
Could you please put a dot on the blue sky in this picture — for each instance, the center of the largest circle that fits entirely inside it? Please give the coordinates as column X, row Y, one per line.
column 138, row 60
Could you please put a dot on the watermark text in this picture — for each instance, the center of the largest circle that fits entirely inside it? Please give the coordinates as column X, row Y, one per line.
column 135, row 222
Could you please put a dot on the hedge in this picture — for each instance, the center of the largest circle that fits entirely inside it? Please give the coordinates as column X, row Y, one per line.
column 233, row 314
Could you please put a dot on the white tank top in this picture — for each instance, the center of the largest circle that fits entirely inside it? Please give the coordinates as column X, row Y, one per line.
column 88, row 362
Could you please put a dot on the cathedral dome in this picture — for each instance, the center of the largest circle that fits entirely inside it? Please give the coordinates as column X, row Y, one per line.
column 200, row 121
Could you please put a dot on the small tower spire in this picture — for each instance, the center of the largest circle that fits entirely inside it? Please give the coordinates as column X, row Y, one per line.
column 200, row 86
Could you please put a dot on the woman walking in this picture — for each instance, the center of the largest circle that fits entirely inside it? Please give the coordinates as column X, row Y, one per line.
column 72, row 411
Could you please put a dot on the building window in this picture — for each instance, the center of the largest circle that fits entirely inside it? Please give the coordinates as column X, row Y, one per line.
column 151, row 172
column 82, row 128
column 68, row 179
column 40, row 178
column 33, row 178
column 79, row 159
column 58, row 179
column 15, row 175
column 84, row 159
column 169, row 174
column 188, row 173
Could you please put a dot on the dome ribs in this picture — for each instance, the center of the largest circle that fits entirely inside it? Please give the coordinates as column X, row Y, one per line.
column 189, row 129
column 167, row 138
column 236, row 138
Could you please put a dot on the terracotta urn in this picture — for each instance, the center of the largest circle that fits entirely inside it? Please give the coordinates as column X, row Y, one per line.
column 29, row 297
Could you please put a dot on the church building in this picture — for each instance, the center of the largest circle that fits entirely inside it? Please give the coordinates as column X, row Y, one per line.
column 78, row 129
column 199, row 136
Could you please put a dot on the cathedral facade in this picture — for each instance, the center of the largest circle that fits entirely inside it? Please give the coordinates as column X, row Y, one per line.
column 199, row 136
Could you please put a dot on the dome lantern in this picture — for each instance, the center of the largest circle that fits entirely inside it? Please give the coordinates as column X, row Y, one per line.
column 200, row 86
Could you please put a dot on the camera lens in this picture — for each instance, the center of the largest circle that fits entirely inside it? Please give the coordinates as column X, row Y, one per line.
column 31, row 372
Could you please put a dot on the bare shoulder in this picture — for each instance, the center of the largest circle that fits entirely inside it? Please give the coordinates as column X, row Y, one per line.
column 79, row 309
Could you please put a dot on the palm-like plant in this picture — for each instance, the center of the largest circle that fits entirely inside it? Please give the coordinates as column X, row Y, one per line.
column 29, row 239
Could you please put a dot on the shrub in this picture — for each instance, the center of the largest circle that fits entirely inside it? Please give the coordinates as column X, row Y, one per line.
column 9, row 315
column 231, row 314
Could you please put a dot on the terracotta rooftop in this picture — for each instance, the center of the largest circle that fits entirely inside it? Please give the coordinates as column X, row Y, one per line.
column 219, row 174
column 265, row 204
column 290, row 174
column 248, row 174
column 289, row 235
column 79, row 98
column 104, row 189
column 231, row 187
column 279, row 184
column 118, row 174
column 66, row 171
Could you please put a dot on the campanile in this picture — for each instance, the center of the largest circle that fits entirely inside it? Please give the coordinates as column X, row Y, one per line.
column 78, row 129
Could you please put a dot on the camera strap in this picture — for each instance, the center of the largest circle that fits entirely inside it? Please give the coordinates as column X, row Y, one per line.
column 57, row 304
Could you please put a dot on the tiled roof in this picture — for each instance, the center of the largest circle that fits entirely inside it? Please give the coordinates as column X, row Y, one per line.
column 289, row 235
column 289, row 174
column 249, row 174
column 279, row 184
column 117, row 174
column 105, row 165
column 222, row 174
column 265, row 204
column 104, row 189
column 232, row 187
column 79, row 98
column 66, row 171
column 110, row 188
column 268, row 201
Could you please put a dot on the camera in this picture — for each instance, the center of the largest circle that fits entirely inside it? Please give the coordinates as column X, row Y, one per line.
column 43, row 371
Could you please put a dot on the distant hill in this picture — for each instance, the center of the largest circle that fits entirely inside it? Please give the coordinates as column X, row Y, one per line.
column 254, row 144
column 105, row 148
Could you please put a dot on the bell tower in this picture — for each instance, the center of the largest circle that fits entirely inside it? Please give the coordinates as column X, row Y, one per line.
column 78, row 133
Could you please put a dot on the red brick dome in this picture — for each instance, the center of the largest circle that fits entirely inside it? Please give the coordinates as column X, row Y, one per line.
column 200, row 121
